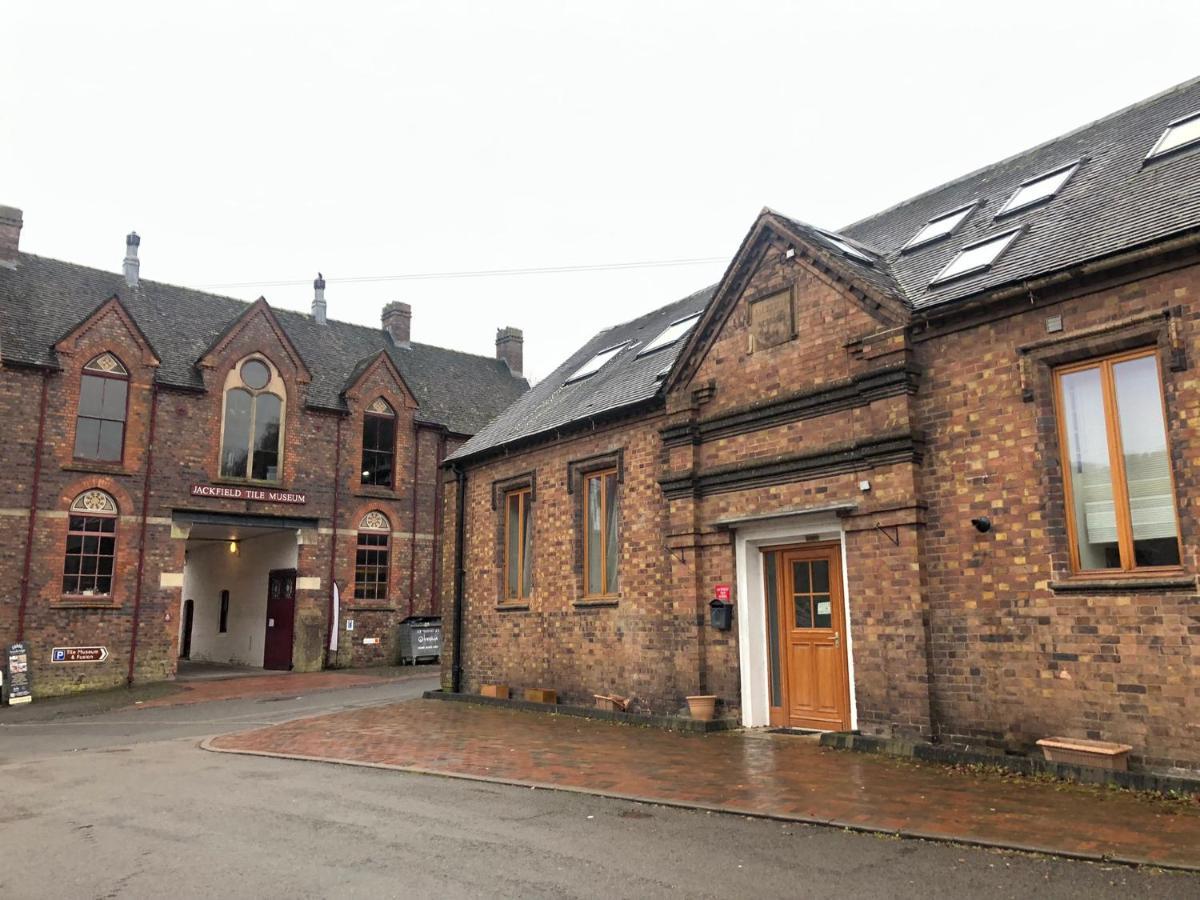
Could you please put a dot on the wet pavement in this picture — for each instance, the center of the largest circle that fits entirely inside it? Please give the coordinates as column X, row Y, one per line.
column 753, row 773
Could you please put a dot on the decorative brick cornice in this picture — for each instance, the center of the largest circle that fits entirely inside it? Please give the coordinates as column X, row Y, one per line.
column 848, row 393
column 853, row 456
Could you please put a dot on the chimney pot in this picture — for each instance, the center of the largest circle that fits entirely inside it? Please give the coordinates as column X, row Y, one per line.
column 132, row 264
column 318, row 304
column 10, row 235
column 397, row 322
column 510, row 348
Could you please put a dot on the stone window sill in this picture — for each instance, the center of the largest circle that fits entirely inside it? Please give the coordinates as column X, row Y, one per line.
column 597, row 602
column 1128, row 584
column 85, row 603
column 374, row 492
column 98, row 468
column 512, row 607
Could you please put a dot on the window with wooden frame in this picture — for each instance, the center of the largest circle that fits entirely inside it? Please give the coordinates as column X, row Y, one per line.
column 600, row 508
column 518, row 545
column 1120, row 494
column 378, row 444
column 103, row 402
column 371, row 567
column 91, row 553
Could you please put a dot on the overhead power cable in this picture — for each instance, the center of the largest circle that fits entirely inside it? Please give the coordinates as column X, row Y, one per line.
column 480, row 273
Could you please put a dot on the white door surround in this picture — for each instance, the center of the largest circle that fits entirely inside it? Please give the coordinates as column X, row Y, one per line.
column 749, row 539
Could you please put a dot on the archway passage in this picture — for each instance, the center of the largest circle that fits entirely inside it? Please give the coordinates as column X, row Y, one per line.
column 239, row 579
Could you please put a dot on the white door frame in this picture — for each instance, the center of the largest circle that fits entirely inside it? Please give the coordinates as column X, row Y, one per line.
column 752, row 606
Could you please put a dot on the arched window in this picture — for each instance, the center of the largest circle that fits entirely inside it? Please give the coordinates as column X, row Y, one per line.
column 252, row 429
column 371, row 558
column 100, row 421
column 378, row 444
column 91, row 545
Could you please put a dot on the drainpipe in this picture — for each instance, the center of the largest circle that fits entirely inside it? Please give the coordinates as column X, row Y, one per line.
column 141, row 563
column 460, row 532
column 34, row 490
column 337, row 483
column 412, row 554
column 435, row 568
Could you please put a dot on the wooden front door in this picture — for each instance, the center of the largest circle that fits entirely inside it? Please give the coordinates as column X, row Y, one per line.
column 810, row 639
column 281, row 612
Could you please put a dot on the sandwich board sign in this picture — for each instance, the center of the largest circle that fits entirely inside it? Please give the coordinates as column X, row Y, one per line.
column 18, row 674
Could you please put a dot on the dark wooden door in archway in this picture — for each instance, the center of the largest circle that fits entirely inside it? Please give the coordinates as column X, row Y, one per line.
column 281, row 612
column 185, row 639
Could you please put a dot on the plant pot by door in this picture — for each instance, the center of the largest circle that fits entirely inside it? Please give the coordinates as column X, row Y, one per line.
column 703, row 706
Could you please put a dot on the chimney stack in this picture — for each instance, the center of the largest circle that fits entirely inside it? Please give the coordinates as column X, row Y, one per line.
column 10, row 235
column 318, row 304
column 509, row 347
column 132, row 265
column 397, row 321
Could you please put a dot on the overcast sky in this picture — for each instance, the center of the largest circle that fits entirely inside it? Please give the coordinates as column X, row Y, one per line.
column 260, row 142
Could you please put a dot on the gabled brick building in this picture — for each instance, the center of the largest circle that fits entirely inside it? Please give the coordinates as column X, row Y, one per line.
column 186, row 474
column 941, row 461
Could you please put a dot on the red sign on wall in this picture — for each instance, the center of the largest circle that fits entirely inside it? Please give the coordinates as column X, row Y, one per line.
column 261, row 495
column 722, row 592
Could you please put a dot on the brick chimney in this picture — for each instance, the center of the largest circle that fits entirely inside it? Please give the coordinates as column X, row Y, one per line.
column 509, row 344
column 132, row 265
column 318, row 304
column 397, row 321
column 10, row 235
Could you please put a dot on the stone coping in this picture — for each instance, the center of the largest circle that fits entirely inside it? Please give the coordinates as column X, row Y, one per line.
column 1169, row 785
column 671, row 723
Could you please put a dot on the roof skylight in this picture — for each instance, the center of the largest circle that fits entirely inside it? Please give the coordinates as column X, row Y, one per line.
column 977, row 257
column 846, row 248
column 940, row 227
column 1037, row 189
column 1179, row 133
column 670, row 334
column 596, row 363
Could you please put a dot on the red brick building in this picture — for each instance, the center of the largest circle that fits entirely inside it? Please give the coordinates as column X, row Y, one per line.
column 940, row 460
column 187, row 474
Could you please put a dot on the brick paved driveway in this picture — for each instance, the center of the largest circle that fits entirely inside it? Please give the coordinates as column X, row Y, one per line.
column 745, row 772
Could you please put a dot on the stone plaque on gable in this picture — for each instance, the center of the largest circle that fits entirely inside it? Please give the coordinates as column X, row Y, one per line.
column 771, row 321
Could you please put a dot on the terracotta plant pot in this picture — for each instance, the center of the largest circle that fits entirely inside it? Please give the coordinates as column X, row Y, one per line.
column 703, row 706
column 494, row 690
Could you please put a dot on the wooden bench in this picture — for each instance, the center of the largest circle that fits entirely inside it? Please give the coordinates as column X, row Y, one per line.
column 1083, row 752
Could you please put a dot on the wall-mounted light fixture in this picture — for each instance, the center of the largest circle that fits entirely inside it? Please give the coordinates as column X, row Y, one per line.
column 233, row 548
column 982, row 524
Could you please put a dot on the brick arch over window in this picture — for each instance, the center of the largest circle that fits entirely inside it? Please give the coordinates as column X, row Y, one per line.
column 372, row 568
column 253, row 416
column 102, row 410
column 89, row 562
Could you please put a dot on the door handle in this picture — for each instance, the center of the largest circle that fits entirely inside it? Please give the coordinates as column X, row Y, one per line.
column 837, row 639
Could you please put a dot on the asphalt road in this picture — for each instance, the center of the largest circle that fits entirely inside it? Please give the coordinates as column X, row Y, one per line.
column 125, row 804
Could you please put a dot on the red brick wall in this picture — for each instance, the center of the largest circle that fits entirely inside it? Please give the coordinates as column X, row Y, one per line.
column 186, row 452
column 957, row 635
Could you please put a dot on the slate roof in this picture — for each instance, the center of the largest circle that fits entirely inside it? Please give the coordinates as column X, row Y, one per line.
column 43, row 299
column 624, row 380
column 1116, row 200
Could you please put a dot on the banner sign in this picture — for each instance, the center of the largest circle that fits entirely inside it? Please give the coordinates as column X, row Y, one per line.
column 78, row 654
column 259, row 495
column 18, row 674
column 722, row 592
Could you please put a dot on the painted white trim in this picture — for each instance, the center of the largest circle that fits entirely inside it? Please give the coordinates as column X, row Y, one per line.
column 752, row 606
